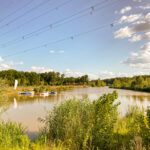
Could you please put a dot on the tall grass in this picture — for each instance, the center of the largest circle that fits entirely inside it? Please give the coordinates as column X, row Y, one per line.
column 83, row 125
column 13, row 136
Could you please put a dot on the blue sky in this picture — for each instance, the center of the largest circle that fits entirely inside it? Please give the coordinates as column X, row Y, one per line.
column 121, row 50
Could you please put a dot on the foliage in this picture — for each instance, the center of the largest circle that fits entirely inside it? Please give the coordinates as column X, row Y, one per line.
column 82, row 124
column 98, row 83
column 47, row 78
column 3, row 89
column 133, row 130
column 141, row 83
column 12, row 136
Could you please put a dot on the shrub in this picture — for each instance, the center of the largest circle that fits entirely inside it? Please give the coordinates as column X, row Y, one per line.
column 82, row 124
column 133, row 130
column 12, row 136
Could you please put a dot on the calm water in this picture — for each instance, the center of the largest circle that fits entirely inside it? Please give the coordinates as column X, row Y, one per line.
column 27, row 110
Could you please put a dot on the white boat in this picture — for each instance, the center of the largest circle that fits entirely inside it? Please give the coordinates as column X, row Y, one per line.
column 44, row 94
column 53, row 92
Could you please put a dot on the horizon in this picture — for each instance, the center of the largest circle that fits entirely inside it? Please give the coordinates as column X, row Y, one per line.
column 73, row 76
column 103, row 39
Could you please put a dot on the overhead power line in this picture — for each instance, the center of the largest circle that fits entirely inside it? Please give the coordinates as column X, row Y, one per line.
column 37, row 17
column 72, row 37
column 12, row 13
column 57, row 23
column 27, row 12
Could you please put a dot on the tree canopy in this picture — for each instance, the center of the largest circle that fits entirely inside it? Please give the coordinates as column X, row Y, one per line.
column 47, row 78
column 141, row 83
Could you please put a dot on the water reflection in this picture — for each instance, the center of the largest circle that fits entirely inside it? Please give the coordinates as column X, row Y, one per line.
column 15, row 104
column 29, row 109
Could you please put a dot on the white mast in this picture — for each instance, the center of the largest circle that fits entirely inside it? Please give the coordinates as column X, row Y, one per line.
column 15, row 85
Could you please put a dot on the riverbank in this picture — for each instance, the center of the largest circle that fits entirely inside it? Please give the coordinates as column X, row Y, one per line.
column 132, row 89
column 136, row 83
column 83, row 124
column 11, row 90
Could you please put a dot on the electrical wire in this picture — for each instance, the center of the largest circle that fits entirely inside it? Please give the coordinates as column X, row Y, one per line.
column 47, row 28
column 72, row 37
column 12, row 13
column 27, row 12
column 37, row 17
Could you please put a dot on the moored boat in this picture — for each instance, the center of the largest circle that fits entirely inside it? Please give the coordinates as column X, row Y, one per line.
column 44, row 94
column 53, row 92
column 25, row 93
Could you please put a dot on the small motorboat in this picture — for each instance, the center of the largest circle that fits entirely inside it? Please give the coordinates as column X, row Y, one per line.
column 25, row 93
column 44, row 94
column 53, row 92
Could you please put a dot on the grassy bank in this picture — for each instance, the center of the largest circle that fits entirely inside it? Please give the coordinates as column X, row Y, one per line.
column 47, row 88
column 137, row 83
column 82, row 124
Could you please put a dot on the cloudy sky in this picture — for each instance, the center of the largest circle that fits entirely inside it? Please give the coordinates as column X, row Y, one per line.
column 96, row 37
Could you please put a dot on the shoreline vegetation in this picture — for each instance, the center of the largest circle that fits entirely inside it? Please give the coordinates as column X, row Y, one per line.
column 49, row 81
column 56, row 81
column 10, row 89
column 136, row 83
column 46, row 79
column 78, row 124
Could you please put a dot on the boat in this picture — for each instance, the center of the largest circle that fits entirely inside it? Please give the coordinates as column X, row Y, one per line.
column 25, row 93
column 44, row 94
column 53, row 92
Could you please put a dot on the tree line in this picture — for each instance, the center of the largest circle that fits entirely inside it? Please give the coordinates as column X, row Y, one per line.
column 140, row 83
column 47, row 78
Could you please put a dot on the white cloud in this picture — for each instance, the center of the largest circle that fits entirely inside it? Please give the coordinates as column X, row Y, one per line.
column 130, row 18
column 145, row 7
column 147, row 17
column 141, row 26
column 69, row 73
column 106, row 74
column 9, row 65
column 102, row 75
column 52, row 51
column 40, row 69
column 136, row 38
column 93, row 76
column 123, row 33
column 75, row 74
column 4, row 66
column 140, row 59
column 1, row 59
column 146, row 47
column 126, row 9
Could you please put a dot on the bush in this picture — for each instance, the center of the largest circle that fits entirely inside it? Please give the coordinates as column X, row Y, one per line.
column 12, row 136
column 3, row 90
column 133, row 130
column 82, row 124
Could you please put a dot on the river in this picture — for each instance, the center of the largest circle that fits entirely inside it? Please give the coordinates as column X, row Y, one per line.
column 27, row 110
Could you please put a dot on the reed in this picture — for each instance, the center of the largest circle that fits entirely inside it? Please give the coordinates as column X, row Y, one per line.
column 81, row 124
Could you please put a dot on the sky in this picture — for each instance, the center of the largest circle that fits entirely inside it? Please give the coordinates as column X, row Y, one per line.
column 101, row 38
